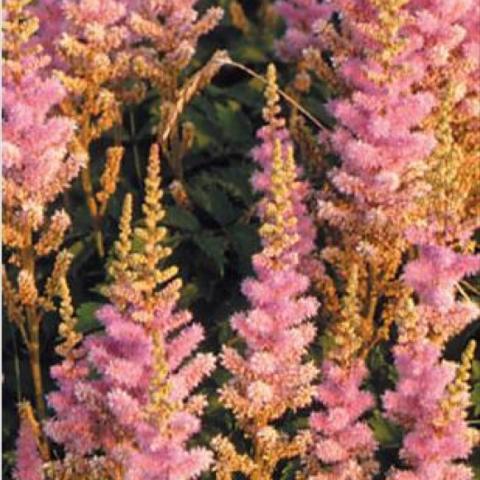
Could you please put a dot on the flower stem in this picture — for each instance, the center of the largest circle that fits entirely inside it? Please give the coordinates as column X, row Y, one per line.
column 93, row 209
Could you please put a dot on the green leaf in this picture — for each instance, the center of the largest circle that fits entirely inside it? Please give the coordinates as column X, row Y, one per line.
column 188, row 295
column 235, row 180
column 386, row 432
column 234, row 124
column 476, row 371
column 206, row 132
column 87, row 321
column 214, row 201
column 245, row 242
column 475, row 395
column 249, row 53
column 214, row 249
column 248, row 93
column 178, row 217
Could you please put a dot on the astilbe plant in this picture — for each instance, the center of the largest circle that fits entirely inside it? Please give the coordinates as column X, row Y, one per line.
column 105, row 51
column 300, row 17
column 408, row 175
column 438, row 435
column 343, row 444
column 270, row 377
column 29, row 465
column 432, row 397
column 40, row 159
column 382, row 149
column 372, row 196
column 128, row 392
column 166, row 35
column 89, row 41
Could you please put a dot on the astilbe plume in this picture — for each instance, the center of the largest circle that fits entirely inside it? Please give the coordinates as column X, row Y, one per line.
column 37, row 164
column 271, row 377
column 274, row 130
column 430, row 401
column 171, row 30
column 377, row 136
column 128, row 393
column 166, row 34
column 29, row 461
column 40, row 159
column 301, row 17
column 438, row 434
column 89, row 40
column 432, row 395
column 409, row 174
column 343, row 444
column 373, row 195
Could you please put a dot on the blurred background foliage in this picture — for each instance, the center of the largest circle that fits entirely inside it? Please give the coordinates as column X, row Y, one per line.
column 210, row 213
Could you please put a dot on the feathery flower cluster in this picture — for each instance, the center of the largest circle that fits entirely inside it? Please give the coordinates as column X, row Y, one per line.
column 88, row 40
column 383, row 152
column 40, row 159
column 271, row 377
column 172, row 30
column 408, row 175
column 37, row 164
column 301, row 17
column 29, row 462
column 430, row 401
column 343, row 442
column 274, row 131
column 138, row 408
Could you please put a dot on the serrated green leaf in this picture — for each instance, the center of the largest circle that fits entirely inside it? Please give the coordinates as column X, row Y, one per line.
column 214, row 201
column 188, row 295
column 87, row 321
column 236, row 181
column 234, row 124
column 245, row 242
column 247, row 93
column 386, row 432
column 214, row 249
column 206, row 132
column 475, row 396
column 178, row 217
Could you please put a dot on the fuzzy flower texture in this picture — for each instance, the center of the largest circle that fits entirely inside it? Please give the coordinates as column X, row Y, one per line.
column 127, row 393
column 343, row 441
column 37, row 163
column 271, row 377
